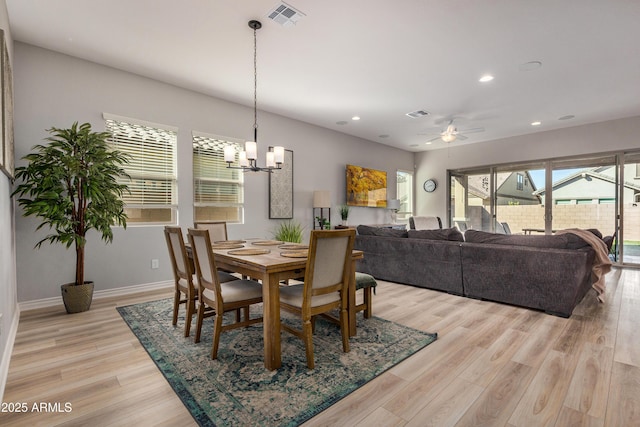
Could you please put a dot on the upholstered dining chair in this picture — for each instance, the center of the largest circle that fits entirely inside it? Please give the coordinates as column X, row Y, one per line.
column 215, row 297
column 325, row 286
column 217, row 229
column 217, row 232
column 182, row 276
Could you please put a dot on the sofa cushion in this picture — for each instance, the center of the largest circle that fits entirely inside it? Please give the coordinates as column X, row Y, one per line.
column 367, row 230
column 452, row 234
column 541, row 241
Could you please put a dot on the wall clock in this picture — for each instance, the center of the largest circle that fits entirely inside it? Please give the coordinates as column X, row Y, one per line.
column 430, row 185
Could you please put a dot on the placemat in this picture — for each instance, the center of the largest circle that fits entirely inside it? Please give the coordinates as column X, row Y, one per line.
column 249, row 252
column 295, row 254
column 267, row 242
column 294, row 246
column 226, row 246
column 230, row 242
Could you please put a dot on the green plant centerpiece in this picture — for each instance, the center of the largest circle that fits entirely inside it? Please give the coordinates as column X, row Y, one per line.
column 289, row 231
column 71, row 185
column 344, row 213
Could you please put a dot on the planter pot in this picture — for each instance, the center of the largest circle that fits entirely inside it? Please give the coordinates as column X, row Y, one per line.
column 77, row 298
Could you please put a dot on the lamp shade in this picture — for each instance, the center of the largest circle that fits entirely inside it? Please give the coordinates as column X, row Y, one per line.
column 321, row 199
column 393, row 204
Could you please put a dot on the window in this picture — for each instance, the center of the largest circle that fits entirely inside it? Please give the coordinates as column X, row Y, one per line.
column 151, row 168
column 404, row 192
column 217, row 190
column 520, row 182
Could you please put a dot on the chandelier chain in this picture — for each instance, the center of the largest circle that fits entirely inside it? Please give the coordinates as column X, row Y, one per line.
column 255, row 84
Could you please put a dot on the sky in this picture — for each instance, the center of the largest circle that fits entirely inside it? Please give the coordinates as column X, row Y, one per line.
column 538, row 176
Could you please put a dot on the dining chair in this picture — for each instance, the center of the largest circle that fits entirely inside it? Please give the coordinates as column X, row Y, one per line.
column 325, row 286
column 425, row 222
column 217, row 298
column 182, row 276
column 217, row 229
column 368, row 284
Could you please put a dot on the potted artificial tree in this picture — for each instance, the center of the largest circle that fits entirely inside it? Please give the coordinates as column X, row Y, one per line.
column 71, row 185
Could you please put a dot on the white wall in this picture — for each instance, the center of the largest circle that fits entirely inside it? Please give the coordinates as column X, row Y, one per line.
column 8, row 301
column 592, row 138
column 52, row 89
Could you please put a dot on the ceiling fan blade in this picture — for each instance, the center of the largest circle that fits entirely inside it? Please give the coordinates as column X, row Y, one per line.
column 472, row 130
column 434, row 139
column 461, row 137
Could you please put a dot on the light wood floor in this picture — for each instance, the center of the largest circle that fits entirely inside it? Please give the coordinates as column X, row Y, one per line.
column 493, row 364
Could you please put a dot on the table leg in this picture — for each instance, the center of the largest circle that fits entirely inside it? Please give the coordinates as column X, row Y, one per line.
column 271, row 322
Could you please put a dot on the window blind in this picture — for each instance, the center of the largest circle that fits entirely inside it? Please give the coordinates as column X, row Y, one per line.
column 151, row 168
column 218, row 190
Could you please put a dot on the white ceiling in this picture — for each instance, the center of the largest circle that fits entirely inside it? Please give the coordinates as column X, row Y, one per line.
column 378, row 59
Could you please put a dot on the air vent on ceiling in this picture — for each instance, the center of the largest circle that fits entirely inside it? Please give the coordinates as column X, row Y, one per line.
column 416, row 114
column 285, row 15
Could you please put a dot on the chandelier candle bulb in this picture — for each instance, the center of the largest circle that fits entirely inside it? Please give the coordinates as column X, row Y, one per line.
column 251, row 148
column 271, row 162
column 229, row 154
column 244, row 162
column 279, row 154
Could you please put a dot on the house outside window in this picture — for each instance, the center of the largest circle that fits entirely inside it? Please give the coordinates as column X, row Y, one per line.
column 520, row 182
column 152, row 169
column 218, row 192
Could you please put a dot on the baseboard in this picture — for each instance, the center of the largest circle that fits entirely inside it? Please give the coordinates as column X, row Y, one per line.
column 8, row 349
column 106, row 293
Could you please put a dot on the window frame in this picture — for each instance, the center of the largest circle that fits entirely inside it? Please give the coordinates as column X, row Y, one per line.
column 141, row 175
column 239, row 204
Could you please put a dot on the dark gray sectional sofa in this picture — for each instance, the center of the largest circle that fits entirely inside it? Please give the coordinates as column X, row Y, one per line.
column 549, row 273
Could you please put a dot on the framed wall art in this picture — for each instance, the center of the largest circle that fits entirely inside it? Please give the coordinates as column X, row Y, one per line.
column 6, row 158
column 366, row 187
column 281, row 189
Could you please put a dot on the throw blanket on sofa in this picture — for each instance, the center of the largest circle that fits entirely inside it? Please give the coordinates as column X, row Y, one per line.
column 602, row 263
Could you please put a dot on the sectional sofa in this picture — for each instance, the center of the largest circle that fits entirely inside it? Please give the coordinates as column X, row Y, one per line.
column 548, row 273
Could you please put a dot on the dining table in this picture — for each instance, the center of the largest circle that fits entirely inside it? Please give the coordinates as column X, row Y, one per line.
column 274, row 263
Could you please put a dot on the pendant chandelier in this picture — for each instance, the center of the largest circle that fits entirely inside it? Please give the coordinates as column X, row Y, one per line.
column 248, row 158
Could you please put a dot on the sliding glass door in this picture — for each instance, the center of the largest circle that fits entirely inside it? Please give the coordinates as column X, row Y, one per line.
column 629, row 236
column 600, row 191
column 583, row 193
column 470, row 200
column 519, row 203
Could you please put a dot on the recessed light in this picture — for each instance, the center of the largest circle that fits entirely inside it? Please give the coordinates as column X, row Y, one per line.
column 567, row 117
column 355, row 118
column 536, row 123
column 486, row 78
column 341, row 123
column 428, row 142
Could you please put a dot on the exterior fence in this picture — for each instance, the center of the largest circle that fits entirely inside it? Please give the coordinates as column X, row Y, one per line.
column 600, row 216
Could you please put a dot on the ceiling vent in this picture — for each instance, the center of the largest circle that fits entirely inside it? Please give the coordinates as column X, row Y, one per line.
column 416, row 114
column 285, row 15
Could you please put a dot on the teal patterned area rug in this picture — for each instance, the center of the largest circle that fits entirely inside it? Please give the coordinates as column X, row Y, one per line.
column 237, row 390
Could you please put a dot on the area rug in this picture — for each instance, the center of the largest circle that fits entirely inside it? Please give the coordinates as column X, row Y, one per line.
column 237, row 390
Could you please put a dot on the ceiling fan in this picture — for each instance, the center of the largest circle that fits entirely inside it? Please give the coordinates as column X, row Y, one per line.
column 451, row 133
